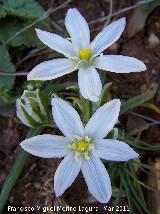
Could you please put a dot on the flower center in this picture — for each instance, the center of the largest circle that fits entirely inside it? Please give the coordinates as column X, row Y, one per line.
column 81, row 147
column 85, row 54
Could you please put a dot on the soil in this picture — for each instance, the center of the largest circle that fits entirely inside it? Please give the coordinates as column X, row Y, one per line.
column 34, row 187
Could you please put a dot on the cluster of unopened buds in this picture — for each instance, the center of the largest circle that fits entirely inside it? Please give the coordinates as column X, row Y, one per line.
column 82, row 146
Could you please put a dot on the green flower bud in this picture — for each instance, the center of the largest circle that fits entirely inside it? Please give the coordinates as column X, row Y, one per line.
column 32, row 108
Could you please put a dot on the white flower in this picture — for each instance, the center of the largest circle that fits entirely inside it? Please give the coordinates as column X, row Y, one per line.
column 83, row 55
column 82, row 147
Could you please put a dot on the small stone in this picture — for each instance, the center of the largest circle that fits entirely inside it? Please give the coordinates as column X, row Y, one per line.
column 157, row 24
column 37, row 185
column 153, row 40
column 114, row 47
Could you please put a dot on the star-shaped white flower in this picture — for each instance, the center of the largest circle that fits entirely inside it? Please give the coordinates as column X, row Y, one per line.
column 82, row 147
column 83, row 55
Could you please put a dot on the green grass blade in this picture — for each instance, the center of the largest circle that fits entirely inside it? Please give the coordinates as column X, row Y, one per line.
column 138, row 195
column 139, row 144
column 105, row 93
column 139, row 100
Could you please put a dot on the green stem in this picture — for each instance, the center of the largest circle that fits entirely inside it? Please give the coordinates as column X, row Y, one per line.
column 16, row 170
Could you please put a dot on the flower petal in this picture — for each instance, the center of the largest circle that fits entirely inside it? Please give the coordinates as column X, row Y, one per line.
column 67, row 119
column 56, row 42
column 108, row 36
column 51, row 69
column 89, row 83
column 103, row 120
column 119, row 64
column 114, row 150
column 66, row 173
column 46, row 146
column 78, row 29
column 97, row 179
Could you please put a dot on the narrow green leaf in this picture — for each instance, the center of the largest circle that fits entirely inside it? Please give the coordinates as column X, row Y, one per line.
column 137, row 195
column 139, row 100
column 118, row 197
column 139, row 144
column 105, row 94
column 128, row 193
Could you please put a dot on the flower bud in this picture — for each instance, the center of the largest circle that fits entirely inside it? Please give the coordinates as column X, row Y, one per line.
column 32, row 109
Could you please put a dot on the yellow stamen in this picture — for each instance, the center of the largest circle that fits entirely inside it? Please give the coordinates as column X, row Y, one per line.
column 82, row 146
column 85, row 54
